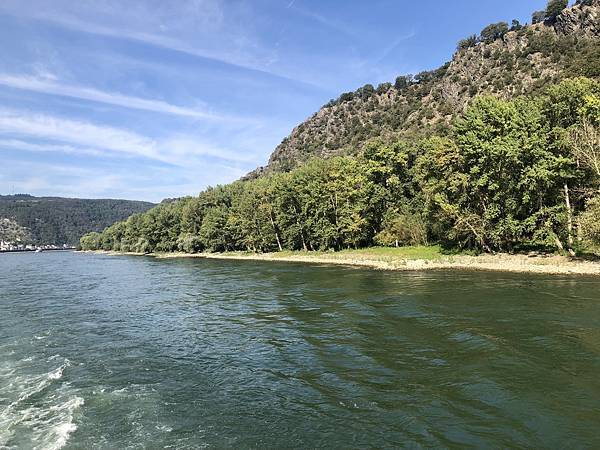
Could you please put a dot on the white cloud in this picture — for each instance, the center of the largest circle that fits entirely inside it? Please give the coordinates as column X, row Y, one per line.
column 53, row 87
column 201, row 28
column 77, row 132
column 18, row 144
column 92, row 138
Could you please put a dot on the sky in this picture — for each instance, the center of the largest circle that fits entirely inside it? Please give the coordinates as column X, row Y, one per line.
column 153, row 99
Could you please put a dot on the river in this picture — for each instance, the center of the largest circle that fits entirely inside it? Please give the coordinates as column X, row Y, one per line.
column 101, row 351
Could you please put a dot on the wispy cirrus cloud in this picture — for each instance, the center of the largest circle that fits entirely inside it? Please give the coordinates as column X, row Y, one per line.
column 18, row 144
column 50, row 85
column 206, row 29
column 43, row 126
column 90, row 138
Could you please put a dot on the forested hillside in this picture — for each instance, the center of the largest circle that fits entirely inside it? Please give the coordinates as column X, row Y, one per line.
column 429, row 160
column 55, row 220
column 504, row 59
column 510, row 175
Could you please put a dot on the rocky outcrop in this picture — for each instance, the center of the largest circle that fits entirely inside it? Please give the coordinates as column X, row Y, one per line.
column 583, row 19
column 523, row 61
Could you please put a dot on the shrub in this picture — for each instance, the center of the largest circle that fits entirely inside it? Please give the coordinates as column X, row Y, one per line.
column 493, row 32
column 467, row 43
column 402, row 229
column 590, row 223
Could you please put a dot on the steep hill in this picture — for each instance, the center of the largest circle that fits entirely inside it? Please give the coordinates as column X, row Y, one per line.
column 512, row 171
column 55, row 220
column 505, row 61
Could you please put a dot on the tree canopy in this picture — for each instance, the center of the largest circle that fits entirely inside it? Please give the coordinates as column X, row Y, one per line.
column 509, row 175
column 554, row 8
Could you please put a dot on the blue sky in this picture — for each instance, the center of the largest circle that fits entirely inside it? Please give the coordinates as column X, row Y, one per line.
column 147, row 99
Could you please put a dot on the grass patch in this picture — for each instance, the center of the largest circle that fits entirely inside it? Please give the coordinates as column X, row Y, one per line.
column 372, row 253
column 412, row 252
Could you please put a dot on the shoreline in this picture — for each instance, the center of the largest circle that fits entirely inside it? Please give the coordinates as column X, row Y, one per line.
column 520, row 263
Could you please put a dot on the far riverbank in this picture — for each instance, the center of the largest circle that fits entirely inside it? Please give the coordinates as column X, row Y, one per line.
column 409, row 258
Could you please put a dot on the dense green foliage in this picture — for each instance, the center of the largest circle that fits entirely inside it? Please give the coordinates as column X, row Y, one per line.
column 55, row 220
column 508, row 175
column 554, row 8
column 493, row 31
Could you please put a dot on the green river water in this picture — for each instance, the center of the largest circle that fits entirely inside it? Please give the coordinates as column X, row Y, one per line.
column 115, row 352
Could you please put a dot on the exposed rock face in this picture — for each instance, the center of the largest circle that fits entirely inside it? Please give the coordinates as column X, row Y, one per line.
column 521, row 62
column 582, row 19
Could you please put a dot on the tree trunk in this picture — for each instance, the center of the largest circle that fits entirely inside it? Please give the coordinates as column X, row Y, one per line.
column 558, row 243
column 301, row 228
column 480, row 238
column 303, row 241
column 275, row 230
column 569, row 221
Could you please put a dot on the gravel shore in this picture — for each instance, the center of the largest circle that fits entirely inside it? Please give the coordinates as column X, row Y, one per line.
column 547, row 264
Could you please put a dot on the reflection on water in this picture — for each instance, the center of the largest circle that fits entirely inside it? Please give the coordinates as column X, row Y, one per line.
column 122, row 352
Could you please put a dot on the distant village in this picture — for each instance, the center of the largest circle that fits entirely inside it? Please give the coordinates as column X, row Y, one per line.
column 18, row 247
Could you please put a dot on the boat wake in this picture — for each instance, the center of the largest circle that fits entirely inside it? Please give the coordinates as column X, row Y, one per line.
column 37, row 408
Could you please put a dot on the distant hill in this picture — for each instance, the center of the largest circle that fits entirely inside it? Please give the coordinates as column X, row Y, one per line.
column 503, row 60
column 56, row 220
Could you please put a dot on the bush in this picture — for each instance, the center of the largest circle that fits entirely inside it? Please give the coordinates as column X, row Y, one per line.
column 493, row 32
column 469, row 42
column 402, row 229
column 590, row 223
column 403, row 82
column 189, row 243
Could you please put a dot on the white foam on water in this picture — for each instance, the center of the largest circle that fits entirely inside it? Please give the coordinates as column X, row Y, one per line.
column 57, row 373
column 60, row 427
column 164, row 428
column 120, row 391
column 40, row 410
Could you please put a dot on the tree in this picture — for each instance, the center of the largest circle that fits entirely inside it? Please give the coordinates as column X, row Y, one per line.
column 214, row 232
column 585, row 145
column 554, row 8
column 403, row 82
column 493, row 32
column 91, row 241
column 467, row 43
column 383, row 88
column 567, row 102
column 366, row 91
column 566, row 107
column 488, row 185
column 387, row 169
column 509, row 175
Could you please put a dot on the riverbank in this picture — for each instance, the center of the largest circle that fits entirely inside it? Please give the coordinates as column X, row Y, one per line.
column 410, row 258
